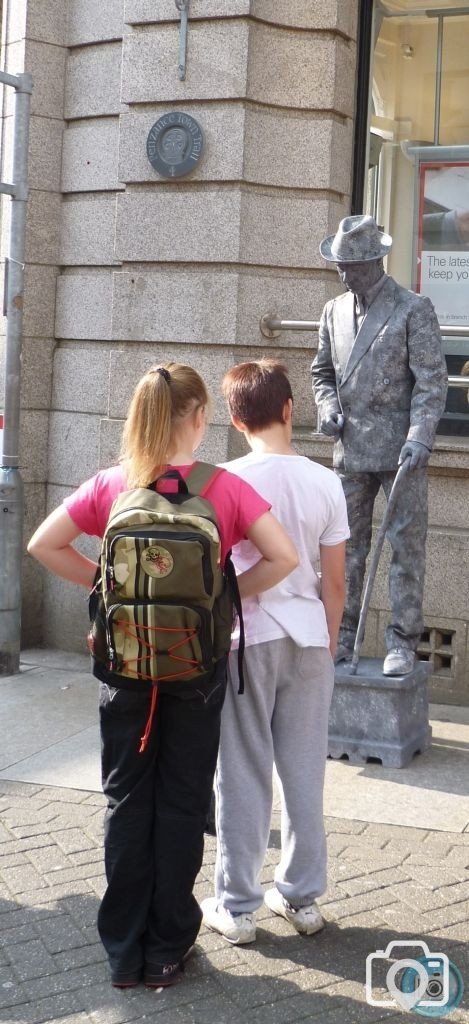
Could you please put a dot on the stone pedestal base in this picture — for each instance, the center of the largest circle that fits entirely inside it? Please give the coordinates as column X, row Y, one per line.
column 380, row 717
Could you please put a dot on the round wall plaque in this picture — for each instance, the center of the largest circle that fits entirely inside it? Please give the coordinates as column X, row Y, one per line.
column 175, row 144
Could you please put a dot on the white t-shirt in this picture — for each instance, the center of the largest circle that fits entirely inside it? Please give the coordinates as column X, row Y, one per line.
column 309, row 502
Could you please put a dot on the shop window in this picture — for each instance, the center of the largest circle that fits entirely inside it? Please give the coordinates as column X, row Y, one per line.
column 417, row 165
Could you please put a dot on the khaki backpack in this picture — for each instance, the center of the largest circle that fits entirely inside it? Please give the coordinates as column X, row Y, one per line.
column 163, row 606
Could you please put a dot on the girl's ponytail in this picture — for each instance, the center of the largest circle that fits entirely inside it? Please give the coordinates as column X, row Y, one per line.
column 162, row 398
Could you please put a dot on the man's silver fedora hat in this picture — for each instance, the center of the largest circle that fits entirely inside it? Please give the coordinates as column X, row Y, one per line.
column 357, row 240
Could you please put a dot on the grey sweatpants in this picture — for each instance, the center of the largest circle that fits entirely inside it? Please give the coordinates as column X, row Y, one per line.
column 281, row 719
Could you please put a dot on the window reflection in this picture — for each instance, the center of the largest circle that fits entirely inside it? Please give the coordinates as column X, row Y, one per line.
column 418, row 159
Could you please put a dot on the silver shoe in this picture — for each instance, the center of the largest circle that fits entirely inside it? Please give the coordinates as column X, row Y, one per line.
column 399, row 661
column 343, row 653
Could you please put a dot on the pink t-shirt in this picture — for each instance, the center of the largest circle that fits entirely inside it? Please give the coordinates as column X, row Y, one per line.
column 236, row 503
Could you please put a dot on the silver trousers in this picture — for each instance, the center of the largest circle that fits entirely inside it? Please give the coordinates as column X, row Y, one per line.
column 407, row 535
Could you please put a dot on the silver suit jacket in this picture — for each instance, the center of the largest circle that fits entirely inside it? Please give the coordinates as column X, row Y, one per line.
column 389, row 381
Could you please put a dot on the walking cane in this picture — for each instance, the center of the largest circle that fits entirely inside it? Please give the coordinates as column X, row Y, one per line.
column 374, row 563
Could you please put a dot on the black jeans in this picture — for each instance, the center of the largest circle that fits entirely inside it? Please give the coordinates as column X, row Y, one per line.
column 158, row 803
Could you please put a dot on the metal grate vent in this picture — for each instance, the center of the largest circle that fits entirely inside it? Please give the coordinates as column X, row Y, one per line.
column 438, row 646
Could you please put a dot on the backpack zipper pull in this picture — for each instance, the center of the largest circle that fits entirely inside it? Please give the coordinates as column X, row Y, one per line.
column 111, row 659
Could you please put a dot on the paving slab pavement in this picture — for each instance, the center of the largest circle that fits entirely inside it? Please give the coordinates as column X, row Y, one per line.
column 389, row 880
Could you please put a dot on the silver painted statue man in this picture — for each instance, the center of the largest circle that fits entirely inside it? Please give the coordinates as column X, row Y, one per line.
column 380, row 381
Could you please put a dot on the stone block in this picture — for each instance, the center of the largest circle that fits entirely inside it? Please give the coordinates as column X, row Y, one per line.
column 447, row 502
column 284, row 231
column 93, row 81
column 48, row 62
column 110, row 436
column 84, row 306
column 39, row 301
column 141, row 12
column 90, row 156
column 47, row 23
column 34, row 511
column 89, row 22
column 32, row 575
column 80, row 384
column 445, row 585
column 319, row 448
column 306, row 70
column 43, row 227
column 214, row 447
column 65, row 616
column 73, row 447
column 45, row 150
column 379, row 717
column 448, row 454
column 65, row 610
column 297, row 150
column 36, row 387
column 341, row 156
column 292, row 294
column 217, row 68
column 129, row 364
column 179, row 225
column 188, row 306
column 297, row 362
column 34, row 429
column 340, row 15
column 219, row 162
column 88, row 231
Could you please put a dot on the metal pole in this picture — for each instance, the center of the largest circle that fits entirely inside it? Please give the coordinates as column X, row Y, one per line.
column 271, row 325
column 439, row 65
column 11, row 485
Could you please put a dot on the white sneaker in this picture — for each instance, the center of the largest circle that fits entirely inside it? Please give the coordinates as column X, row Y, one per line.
column 306, row 920
column 236, row 928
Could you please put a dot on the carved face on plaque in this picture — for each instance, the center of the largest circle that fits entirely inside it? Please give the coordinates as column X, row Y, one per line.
column 175, row 144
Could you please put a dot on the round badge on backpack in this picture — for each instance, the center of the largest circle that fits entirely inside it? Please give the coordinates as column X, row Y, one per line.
column 157, row 561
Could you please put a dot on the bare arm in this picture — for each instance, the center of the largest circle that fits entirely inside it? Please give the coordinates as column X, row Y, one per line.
column 52, row 546
column 278, row 556
column 333, row 588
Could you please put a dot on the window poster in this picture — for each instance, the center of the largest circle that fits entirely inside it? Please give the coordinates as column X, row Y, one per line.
column 443, row 240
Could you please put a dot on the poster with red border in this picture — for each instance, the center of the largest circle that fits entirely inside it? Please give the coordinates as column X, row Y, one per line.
column 443, row 239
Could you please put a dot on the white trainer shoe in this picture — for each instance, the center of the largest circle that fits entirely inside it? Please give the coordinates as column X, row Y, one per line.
column 236, row 928
column 306, row 920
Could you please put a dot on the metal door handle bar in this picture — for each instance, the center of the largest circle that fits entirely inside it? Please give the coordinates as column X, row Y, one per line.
column 272, row 325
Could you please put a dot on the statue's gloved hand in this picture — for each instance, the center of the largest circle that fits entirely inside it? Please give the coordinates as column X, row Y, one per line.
column 419, row 454
column 332, row 424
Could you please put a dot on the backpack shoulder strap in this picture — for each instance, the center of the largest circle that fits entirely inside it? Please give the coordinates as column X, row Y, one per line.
column 201, row 477
column 232, row 580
